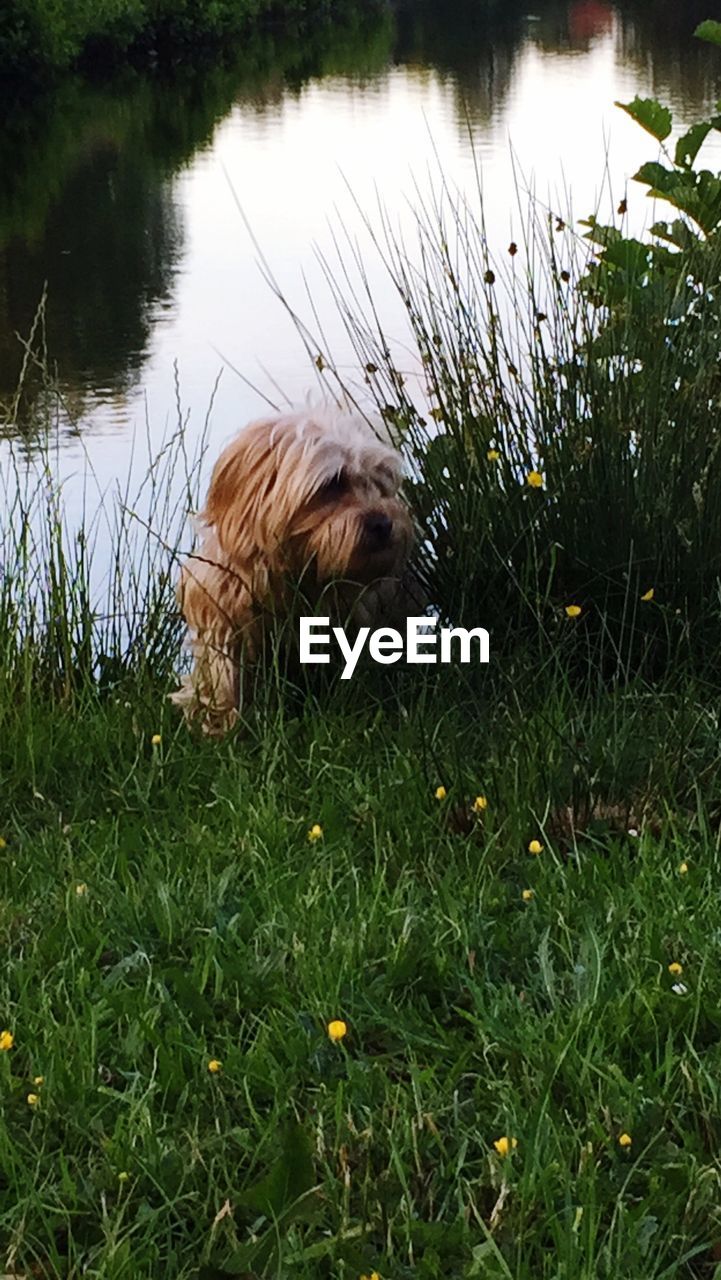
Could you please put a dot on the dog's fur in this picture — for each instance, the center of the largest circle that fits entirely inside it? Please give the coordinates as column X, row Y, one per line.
column 309, row 499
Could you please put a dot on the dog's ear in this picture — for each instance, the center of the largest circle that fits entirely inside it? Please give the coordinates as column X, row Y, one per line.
column 237, row 505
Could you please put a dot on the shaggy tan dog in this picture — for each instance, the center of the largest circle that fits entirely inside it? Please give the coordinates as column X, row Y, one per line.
column 302, row 507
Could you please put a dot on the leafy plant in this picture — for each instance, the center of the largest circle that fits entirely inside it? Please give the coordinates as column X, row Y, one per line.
column 677, row 269
column 561, row 411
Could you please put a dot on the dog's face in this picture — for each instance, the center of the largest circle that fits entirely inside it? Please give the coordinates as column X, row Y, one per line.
column 314, row 490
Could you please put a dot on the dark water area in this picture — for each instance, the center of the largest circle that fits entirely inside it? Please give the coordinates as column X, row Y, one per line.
column 119, row 192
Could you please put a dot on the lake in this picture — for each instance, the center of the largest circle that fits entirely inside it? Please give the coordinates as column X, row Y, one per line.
column 130, row 203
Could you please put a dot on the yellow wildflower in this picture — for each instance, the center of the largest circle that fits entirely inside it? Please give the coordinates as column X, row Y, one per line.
column 214, row 1066
column 683, row 869
column 625, row 1140
column 38, row 1080
column 7, row 1040
column 123, row 1176
column 441, row 793
column 535, row 847
column 675, row 968
column 315, row 833
column 493, row 455
column 573, row 610
column 504, row 1145
column 535, row 479
column 337, row 1029
column 33, row 1099
column 479, row 804
column 81, row 890
column 156, row 740
column 648, row 595
column 527, row 895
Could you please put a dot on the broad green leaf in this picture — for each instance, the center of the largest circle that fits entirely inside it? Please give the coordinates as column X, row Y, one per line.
column 709, row 30
column 260, row 1255
column 651, row 115
column 187, row 997
column 631, row 256
column 697, row 194
column 677, row 233
column 708, row 214
column 687, row 147
column 290, row 1177
column 658, row 177
column 599, row 233
column 670, row 181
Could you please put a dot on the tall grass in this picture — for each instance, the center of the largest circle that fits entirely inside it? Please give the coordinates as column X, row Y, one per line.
column 521, row 363
column 86, row 593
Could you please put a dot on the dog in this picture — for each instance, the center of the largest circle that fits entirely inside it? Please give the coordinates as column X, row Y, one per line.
column 305, row 501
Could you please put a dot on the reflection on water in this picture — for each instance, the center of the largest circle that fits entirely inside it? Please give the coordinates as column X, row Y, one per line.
column 117, row 199
column 106, row 254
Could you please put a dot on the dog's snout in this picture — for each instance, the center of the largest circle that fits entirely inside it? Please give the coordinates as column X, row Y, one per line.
column 378, row 529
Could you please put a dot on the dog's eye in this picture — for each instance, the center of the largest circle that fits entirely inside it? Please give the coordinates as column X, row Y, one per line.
column 333, row 488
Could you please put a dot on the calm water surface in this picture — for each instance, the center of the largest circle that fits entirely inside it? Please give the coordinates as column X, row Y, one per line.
column 123, row 199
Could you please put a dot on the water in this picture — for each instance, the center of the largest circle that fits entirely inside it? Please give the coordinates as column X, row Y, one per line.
column 123, row 200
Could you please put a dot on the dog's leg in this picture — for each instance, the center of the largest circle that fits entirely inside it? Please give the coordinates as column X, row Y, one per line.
column 210, row 692
column 215, row 607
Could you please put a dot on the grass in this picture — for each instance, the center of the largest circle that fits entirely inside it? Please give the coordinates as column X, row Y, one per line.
column 162, row 907
column 530, row 360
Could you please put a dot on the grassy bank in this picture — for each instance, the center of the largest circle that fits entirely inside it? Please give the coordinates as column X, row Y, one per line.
column 163, row 908
column 39, row 37
column 528, row 1085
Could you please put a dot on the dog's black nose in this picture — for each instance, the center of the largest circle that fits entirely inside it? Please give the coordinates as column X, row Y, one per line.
column 378, row 528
